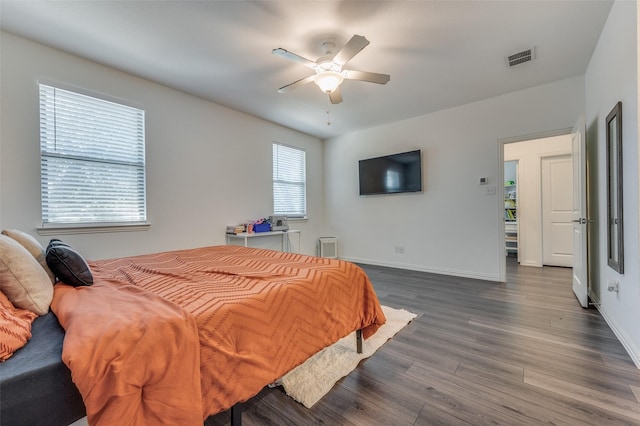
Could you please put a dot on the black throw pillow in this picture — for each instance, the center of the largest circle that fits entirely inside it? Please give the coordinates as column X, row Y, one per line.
column 67, row 264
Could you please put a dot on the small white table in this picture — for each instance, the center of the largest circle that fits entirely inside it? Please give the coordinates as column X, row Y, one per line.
column 284, row 235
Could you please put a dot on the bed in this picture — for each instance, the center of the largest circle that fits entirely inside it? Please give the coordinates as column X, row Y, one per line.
column 35, row 385
column 175, row 337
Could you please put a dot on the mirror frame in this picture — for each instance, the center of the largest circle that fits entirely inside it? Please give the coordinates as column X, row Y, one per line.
column 615, row 240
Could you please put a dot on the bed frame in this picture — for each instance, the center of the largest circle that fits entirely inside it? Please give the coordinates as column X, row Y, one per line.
column 35, row 385
column 236, row 410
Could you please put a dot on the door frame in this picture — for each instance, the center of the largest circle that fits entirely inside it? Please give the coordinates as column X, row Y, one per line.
column 502, row 259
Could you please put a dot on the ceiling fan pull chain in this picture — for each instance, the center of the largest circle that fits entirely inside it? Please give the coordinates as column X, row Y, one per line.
column 328, row 118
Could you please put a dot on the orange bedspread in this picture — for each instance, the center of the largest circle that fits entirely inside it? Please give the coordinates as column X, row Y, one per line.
column 133, row 356
column 259, row 313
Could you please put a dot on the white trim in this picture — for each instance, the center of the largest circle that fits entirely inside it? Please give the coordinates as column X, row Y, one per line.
column 502, row 257
column 411, row 267
column 92, row 228
column 538, row 135
column 627, row 343
column 638, row 104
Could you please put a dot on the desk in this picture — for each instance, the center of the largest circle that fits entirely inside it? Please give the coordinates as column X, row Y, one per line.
column 284, row 235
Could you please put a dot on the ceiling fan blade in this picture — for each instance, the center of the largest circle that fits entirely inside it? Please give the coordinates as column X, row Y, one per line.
column 353, row 46
column 366, row 76
column 293, row 57
column 335, row 96
column 295, row 84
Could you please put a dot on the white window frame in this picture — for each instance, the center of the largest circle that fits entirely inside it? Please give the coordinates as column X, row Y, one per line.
column 81, row 162
column 281, row 180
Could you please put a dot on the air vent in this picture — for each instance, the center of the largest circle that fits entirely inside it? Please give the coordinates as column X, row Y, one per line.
column 521, row 57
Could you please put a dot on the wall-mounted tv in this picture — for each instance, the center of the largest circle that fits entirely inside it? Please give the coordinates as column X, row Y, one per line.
column 391, row 174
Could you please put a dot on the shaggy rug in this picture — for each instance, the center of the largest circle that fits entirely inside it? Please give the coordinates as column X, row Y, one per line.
column 311, row 380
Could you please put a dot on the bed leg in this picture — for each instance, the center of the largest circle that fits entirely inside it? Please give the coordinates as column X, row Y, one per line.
column 236, row 415
column 359, row 341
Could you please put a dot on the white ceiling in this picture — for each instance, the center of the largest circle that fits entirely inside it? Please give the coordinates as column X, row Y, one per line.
column 439, row 53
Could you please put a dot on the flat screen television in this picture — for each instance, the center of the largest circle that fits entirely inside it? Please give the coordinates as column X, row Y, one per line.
column 391, row 174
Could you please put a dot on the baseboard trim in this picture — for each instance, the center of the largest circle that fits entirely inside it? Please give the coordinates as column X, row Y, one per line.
column 439, row 271
column 632, row 350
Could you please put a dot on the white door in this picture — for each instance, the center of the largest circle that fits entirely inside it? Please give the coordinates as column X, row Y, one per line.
column 557, row 211
column 579, row 221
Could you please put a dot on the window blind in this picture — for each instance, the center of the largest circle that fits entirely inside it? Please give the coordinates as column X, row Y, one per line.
column 92, row 159
column 289, row 181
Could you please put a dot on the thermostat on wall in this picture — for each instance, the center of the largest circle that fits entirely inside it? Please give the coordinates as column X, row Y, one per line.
column 483, row 181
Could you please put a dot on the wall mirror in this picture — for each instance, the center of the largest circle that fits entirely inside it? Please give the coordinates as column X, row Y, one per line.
column 615, row 242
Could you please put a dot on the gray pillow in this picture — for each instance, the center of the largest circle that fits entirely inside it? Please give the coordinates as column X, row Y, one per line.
column 67, row 264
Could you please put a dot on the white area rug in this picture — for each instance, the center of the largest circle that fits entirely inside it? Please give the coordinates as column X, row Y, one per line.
column 311, row 380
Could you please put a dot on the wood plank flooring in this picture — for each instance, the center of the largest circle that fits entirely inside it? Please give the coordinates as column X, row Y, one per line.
column 516, row 353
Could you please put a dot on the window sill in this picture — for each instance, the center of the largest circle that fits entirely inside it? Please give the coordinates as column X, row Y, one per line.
column 92, row 228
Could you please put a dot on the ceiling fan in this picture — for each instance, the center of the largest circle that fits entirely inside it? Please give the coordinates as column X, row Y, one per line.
column 329, row 68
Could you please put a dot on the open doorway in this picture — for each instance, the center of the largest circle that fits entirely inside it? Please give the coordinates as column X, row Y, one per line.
column 549, row 148
column 536, row 171
column 544, row 199
column 511, row 209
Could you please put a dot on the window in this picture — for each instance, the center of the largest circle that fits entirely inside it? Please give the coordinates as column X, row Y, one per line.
column 91, row 159
column 289, row 181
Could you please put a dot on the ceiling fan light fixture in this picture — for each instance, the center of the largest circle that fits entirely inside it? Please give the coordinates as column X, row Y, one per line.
column 329, row 70
column 328, row 81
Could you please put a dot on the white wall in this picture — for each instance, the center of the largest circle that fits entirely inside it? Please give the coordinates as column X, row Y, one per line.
column 529, row 155
column 207, row 166
column 452, row 227
column 612, row 76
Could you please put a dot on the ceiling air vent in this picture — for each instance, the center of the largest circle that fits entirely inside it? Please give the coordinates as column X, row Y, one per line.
column 521, row 57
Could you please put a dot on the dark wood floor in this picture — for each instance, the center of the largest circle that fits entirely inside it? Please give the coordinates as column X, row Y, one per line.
column 516, row 353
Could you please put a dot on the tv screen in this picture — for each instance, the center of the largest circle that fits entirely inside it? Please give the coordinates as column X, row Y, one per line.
column 391, row 174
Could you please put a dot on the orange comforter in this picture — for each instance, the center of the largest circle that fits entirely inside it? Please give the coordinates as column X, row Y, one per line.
column 133, row 356
column 258, row 314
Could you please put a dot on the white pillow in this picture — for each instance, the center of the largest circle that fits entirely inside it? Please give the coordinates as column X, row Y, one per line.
column 22, row 279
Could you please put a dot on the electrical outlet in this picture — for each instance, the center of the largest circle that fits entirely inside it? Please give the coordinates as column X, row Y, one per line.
column 613, row 286
column 399, row 249
column 491, row 190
